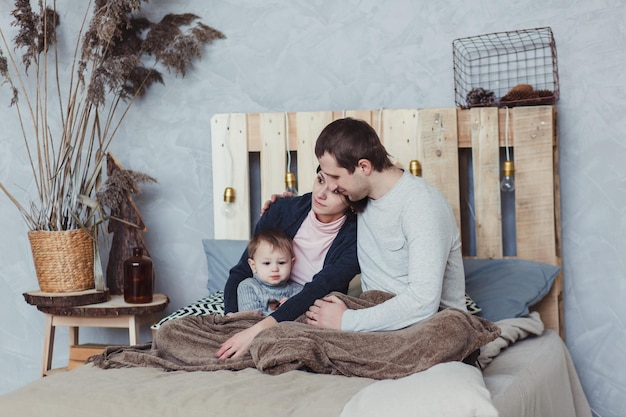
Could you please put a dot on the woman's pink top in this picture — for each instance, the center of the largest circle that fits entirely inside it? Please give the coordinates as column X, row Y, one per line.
column 310, row 245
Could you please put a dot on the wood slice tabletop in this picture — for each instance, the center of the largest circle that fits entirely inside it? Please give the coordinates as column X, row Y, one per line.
column 115, row 306
column 66, row 299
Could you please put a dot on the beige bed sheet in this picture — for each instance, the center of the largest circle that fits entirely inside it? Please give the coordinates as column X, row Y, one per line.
column 148, row 392
column 533, row 377
column 536, row 378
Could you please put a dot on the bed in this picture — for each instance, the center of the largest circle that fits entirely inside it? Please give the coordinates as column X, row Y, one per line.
column 511, row 246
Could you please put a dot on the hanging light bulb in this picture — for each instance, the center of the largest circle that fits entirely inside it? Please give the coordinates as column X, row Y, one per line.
column 415, row 168
column 290, row 183
column 229, row 209
column 290, row 177
column 508, row 177
column 507, row 184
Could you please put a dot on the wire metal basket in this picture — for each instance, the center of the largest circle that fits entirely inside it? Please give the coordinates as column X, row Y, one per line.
column 506, row 69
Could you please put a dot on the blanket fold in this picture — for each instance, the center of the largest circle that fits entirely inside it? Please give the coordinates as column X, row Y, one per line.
column 190, row 343
column 511, row 331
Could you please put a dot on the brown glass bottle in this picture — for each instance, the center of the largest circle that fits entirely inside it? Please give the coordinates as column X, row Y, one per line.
column 138, row 278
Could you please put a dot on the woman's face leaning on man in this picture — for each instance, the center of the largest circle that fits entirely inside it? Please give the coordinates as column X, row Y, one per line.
column 329, row 205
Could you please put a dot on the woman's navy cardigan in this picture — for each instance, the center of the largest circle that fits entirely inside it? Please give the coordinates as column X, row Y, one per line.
column 340, row 265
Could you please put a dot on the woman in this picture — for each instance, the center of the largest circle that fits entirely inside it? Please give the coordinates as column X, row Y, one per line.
column 323, row 227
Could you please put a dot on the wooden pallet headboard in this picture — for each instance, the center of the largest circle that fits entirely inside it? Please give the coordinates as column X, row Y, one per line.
column 460, row 152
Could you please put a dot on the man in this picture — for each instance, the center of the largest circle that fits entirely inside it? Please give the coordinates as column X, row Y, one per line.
column 407, row 240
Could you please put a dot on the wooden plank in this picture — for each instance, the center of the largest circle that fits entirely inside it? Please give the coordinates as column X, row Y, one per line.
column 534, row 184
column 292, row 130
column 253, row 132
column 83, row 351
column 437, row 139
column 80, row 353
column 399, row 135
column 273, row 154
column 465, row 125
column 372, row 117
column 229, row 140
column 486, row 175
column 309, row 126
column 557, row 184
column 366, row 115
column 551, row 307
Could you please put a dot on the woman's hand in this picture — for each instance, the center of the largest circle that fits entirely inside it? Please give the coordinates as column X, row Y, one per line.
column 238, row 344
column 326, row 313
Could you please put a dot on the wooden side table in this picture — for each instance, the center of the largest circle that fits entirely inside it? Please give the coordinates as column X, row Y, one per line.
column 115, row 313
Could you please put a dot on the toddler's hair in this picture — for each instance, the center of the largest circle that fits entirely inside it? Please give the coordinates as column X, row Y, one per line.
column 277, row 239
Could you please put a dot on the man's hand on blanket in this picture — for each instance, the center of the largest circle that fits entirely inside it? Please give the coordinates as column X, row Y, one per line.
column 326, row 313
column 237, row 345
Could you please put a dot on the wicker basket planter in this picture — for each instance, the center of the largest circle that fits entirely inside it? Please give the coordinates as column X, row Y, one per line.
column 64, row 260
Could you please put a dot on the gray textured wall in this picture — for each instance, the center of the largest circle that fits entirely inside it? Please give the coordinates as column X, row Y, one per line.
column 302, row 55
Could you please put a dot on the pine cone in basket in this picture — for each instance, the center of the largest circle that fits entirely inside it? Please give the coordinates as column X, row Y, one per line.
column 545, row 96
column 520, row 93
column 544, row 93
column 525, row 95
column 480, row 96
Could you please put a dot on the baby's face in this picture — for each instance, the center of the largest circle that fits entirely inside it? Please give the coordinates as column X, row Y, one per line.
column 272, row 266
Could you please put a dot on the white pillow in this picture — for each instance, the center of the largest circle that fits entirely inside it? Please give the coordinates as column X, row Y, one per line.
column 451, row 389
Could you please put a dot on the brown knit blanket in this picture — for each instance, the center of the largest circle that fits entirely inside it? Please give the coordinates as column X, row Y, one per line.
column 190, row 343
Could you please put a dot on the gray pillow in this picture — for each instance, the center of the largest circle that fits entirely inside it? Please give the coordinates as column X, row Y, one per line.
column 221, row 256
column 506, row 288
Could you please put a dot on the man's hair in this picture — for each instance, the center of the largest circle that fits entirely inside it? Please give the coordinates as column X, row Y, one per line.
column 277, row 239
column 349, row 140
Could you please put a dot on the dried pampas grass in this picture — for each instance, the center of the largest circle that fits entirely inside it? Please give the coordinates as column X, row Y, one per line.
column 119, row 55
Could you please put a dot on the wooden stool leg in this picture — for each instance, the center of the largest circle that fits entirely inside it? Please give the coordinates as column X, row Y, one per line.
column 133, row 330
column 73, row 335
column 48, row 345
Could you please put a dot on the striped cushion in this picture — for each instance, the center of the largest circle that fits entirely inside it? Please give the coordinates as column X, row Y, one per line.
column 212, row 304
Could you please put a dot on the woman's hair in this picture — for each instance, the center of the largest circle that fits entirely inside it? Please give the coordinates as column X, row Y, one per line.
column 349, row 140
column 277, row 239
